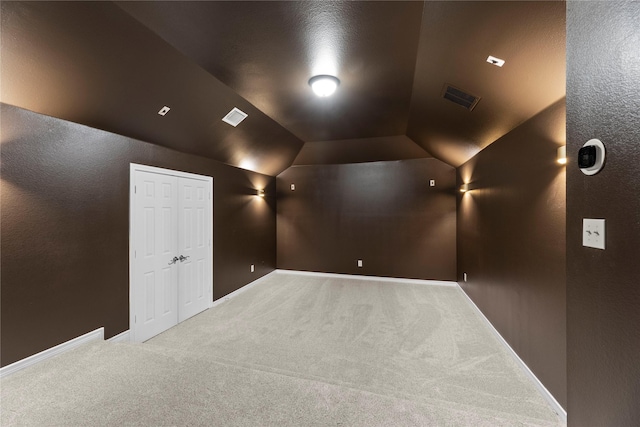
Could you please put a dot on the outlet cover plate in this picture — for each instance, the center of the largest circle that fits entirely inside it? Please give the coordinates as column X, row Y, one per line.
column 593, row 233
column 359, row 263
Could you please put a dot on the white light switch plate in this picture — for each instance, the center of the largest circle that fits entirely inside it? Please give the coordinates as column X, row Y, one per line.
column 432, row 182
column 359, row 263
column 593, row 233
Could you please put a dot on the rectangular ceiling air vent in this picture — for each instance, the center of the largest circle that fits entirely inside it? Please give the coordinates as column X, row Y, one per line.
column 460, row 97
column 234, row 117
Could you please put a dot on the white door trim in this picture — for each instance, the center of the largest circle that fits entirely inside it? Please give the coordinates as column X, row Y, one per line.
column 133, row 168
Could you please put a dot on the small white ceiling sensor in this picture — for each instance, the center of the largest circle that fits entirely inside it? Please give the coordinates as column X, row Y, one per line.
column 495, row 61
column 164, row 110
column 234, row 117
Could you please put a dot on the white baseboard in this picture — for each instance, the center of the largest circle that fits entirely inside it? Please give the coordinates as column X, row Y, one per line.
column 331, row 275
column 121, row 337
column 370, row 278
column 240, row 290
column 541, row 388
column 97, row 335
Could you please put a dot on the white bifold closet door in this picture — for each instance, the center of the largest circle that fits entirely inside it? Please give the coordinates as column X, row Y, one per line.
column 193, row 241
column 171, row 271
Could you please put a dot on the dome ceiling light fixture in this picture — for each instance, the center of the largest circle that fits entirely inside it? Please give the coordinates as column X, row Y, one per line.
column 324, row 85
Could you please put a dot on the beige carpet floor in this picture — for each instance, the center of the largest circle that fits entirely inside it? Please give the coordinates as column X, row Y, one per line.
column 293, row 351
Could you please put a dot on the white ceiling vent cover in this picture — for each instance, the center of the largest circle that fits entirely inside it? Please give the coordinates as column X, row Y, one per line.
column 234, row 117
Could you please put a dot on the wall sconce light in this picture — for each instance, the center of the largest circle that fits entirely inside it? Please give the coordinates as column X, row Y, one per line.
column 464, row 188
column 260, row 193
column 562, row 155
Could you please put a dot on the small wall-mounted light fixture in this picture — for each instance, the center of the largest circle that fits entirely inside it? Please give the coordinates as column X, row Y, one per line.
column 562, row 155
column 324, row 85
column 464, row 188
column 260, row 193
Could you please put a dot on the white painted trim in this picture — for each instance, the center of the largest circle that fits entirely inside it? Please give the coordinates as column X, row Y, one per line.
column 371, row 278
column 242, row 289
column 541, row 388
column 121, row 337
column 329, row 275
column 152, row 169
column 133, row 167
column 97, row 335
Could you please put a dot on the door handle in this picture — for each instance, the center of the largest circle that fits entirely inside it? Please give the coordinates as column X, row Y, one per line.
column 174, row 260
column 183, row 258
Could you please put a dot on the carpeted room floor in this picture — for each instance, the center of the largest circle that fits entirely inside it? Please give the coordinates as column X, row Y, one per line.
column 293, row 350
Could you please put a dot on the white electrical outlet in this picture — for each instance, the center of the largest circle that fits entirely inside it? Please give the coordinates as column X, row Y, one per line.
column 359, row 263
column 253, row 268
column 432, row 183
column 464, row 276
column 293, row 187
column 593, row 233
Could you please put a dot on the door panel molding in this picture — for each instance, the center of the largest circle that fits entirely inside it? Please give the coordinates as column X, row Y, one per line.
column 203, row 196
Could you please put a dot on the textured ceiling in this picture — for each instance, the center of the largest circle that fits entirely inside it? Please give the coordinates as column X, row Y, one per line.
column 456, row 39
column 92, row 63
column 112, row 66
column 384, row 148
column 267, row 51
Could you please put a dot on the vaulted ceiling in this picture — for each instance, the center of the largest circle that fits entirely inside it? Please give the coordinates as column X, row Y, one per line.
column 114, row 65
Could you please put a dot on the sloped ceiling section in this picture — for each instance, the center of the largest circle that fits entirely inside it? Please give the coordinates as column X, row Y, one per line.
column 92, row 63
column 455, row 41
column 267, row 51
column 114, row 65
column 384, row 148
column 393, row 59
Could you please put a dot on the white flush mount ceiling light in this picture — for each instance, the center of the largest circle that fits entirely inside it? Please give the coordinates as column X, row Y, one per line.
column 234, row 117
column 495, row 61
column 324, row 85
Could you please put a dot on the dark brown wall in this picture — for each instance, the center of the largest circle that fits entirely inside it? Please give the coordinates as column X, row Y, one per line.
column 65, row 228
column 603, row 286
column 384, row 213
column 511, row 242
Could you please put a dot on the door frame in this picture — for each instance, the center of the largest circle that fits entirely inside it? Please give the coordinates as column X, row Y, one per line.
column 133, row 168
